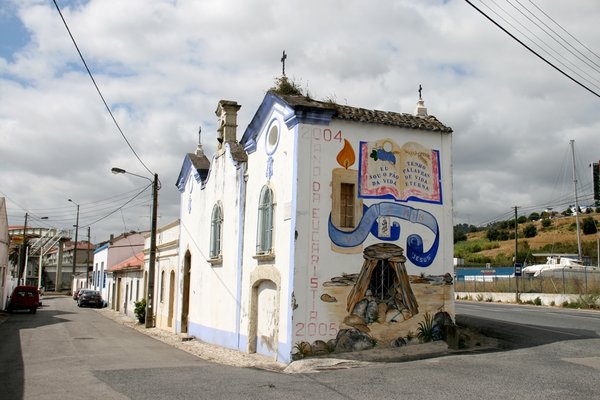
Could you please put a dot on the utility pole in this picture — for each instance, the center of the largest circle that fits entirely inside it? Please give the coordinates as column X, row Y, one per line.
column 579, row 253
column 87, row 263
column 152, row 263
column 23, row 253
column 75, row 244
column 516, row 250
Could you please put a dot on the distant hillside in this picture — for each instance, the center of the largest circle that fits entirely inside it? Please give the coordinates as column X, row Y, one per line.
column 559, row 237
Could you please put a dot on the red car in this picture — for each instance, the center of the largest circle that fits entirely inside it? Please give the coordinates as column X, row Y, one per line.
column 24, row 298
column 76, row 293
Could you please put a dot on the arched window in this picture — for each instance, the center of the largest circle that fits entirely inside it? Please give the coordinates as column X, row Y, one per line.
column 162, row 286
column 216, row 229
column 264, row 235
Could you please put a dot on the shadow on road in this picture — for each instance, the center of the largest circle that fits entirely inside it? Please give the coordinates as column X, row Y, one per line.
column 12, row 372
column 516, row 335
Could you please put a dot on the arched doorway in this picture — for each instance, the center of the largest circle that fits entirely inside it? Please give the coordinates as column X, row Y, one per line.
column 171, row 298
column 185, row 303
column 266, row 318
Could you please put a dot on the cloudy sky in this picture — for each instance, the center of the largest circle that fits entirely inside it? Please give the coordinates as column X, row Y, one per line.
column 162, row 66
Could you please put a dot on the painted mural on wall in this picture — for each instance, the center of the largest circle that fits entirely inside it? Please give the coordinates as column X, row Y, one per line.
column 407, row 172
column 375, row 300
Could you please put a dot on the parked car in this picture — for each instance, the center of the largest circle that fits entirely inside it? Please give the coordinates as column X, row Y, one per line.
column 24, row 298
column 90, row 298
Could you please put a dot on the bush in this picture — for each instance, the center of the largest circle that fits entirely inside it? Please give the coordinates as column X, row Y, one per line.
column 589, row 226
column 140, row 310
column 546, row 222
column 530, row 231
column 534, row 216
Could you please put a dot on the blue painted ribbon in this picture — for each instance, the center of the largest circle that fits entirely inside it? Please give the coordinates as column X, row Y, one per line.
column 368, row 224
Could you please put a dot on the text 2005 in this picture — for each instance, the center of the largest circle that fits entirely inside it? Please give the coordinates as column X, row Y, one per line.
column 316, row 329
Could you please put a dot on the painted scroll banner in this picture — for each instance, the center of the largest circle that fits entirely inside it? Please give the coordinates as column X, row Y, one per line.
column 408, row 172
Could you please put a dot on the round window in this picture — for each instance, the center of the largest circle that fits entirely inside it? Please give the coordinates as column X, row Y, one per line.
column 272, row 138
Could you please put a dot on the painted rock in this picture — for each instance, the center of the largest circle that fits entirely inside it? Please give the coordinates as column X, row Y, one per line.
column 319, row 347
column 327, row 298
column 371, row 312
column 360, row 308
column 352, row 320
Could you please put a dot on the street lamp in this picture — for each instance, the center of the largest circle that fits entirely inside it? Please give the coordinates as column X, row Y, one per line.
column 152, row 261
column 76, row 233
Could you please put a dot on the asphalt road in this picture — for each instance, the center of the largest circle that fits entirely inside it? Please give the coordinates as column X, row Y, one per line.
column 526, row 326
column 63, row 352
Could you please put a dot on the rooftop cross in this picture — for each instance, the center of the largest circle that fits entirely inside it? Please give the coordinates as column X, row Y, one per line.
column 420, row 90
column 283, row 58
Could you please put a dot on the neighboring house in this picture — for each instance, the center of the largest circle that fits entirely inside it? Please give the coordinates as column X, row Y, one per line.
column 109, row 254
column 44, row 243
column 126, row 280
column 60, row 258
column 324, row 226
column 165, row 283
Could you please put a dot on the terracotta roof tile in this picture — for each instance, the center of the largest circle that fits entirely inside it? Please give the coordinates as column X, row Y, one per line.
column 132, row 263
column 343, row 112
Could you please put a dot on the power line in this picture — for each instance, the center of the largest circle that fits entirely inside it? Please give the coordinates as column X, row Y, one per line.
column 550, row 47
column 558, row 35
column 114, row 211
column 531, row 50
column 560, row 26
column 98, row 89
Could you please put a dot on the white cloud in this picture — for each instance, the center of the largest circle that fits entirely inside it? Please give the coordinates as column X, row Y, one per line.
column 163, row 65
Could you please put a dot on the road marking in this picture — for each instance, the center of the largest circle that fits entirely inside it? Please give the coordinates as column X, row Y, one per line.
column 592, row 362
column 549, row 330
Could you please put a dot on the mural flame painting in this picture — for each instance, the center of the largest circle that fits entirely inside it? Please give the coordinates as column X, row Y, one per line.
column 346, row 157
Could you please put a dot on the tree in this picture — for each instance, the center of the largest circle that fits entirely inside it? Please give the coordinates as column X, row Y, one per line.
column 521, row 219
column 534, row 216
column 546, row 222
column 589, row 226
column 459, row 235
column 530, row 231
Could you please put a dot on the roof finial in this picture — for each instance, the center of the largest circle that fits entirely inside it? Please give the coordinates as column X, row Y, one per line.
column 283, row 58
column 421, row 110
column 199, row 150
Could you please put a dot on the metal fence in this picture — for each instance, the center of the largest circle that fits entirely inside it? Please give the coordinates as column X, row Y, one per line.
column 559, row 282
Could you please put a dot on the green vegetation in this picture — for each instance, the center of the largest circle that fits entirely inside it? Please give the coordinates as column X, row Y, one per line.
column 530, row 231
column 588, row 301
column 140, row 310
column 548, row 232
column 463, row 248
column 589, row 226
column 425, row 329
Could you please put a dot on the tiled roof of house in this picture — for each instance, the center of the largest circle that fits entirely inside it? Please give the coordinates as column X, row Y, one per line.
column 132, row 263
column 429, row 123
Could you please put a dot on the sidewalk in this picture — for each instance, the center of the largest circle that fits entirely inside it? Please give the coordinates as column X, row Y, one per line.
column 236, row 358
